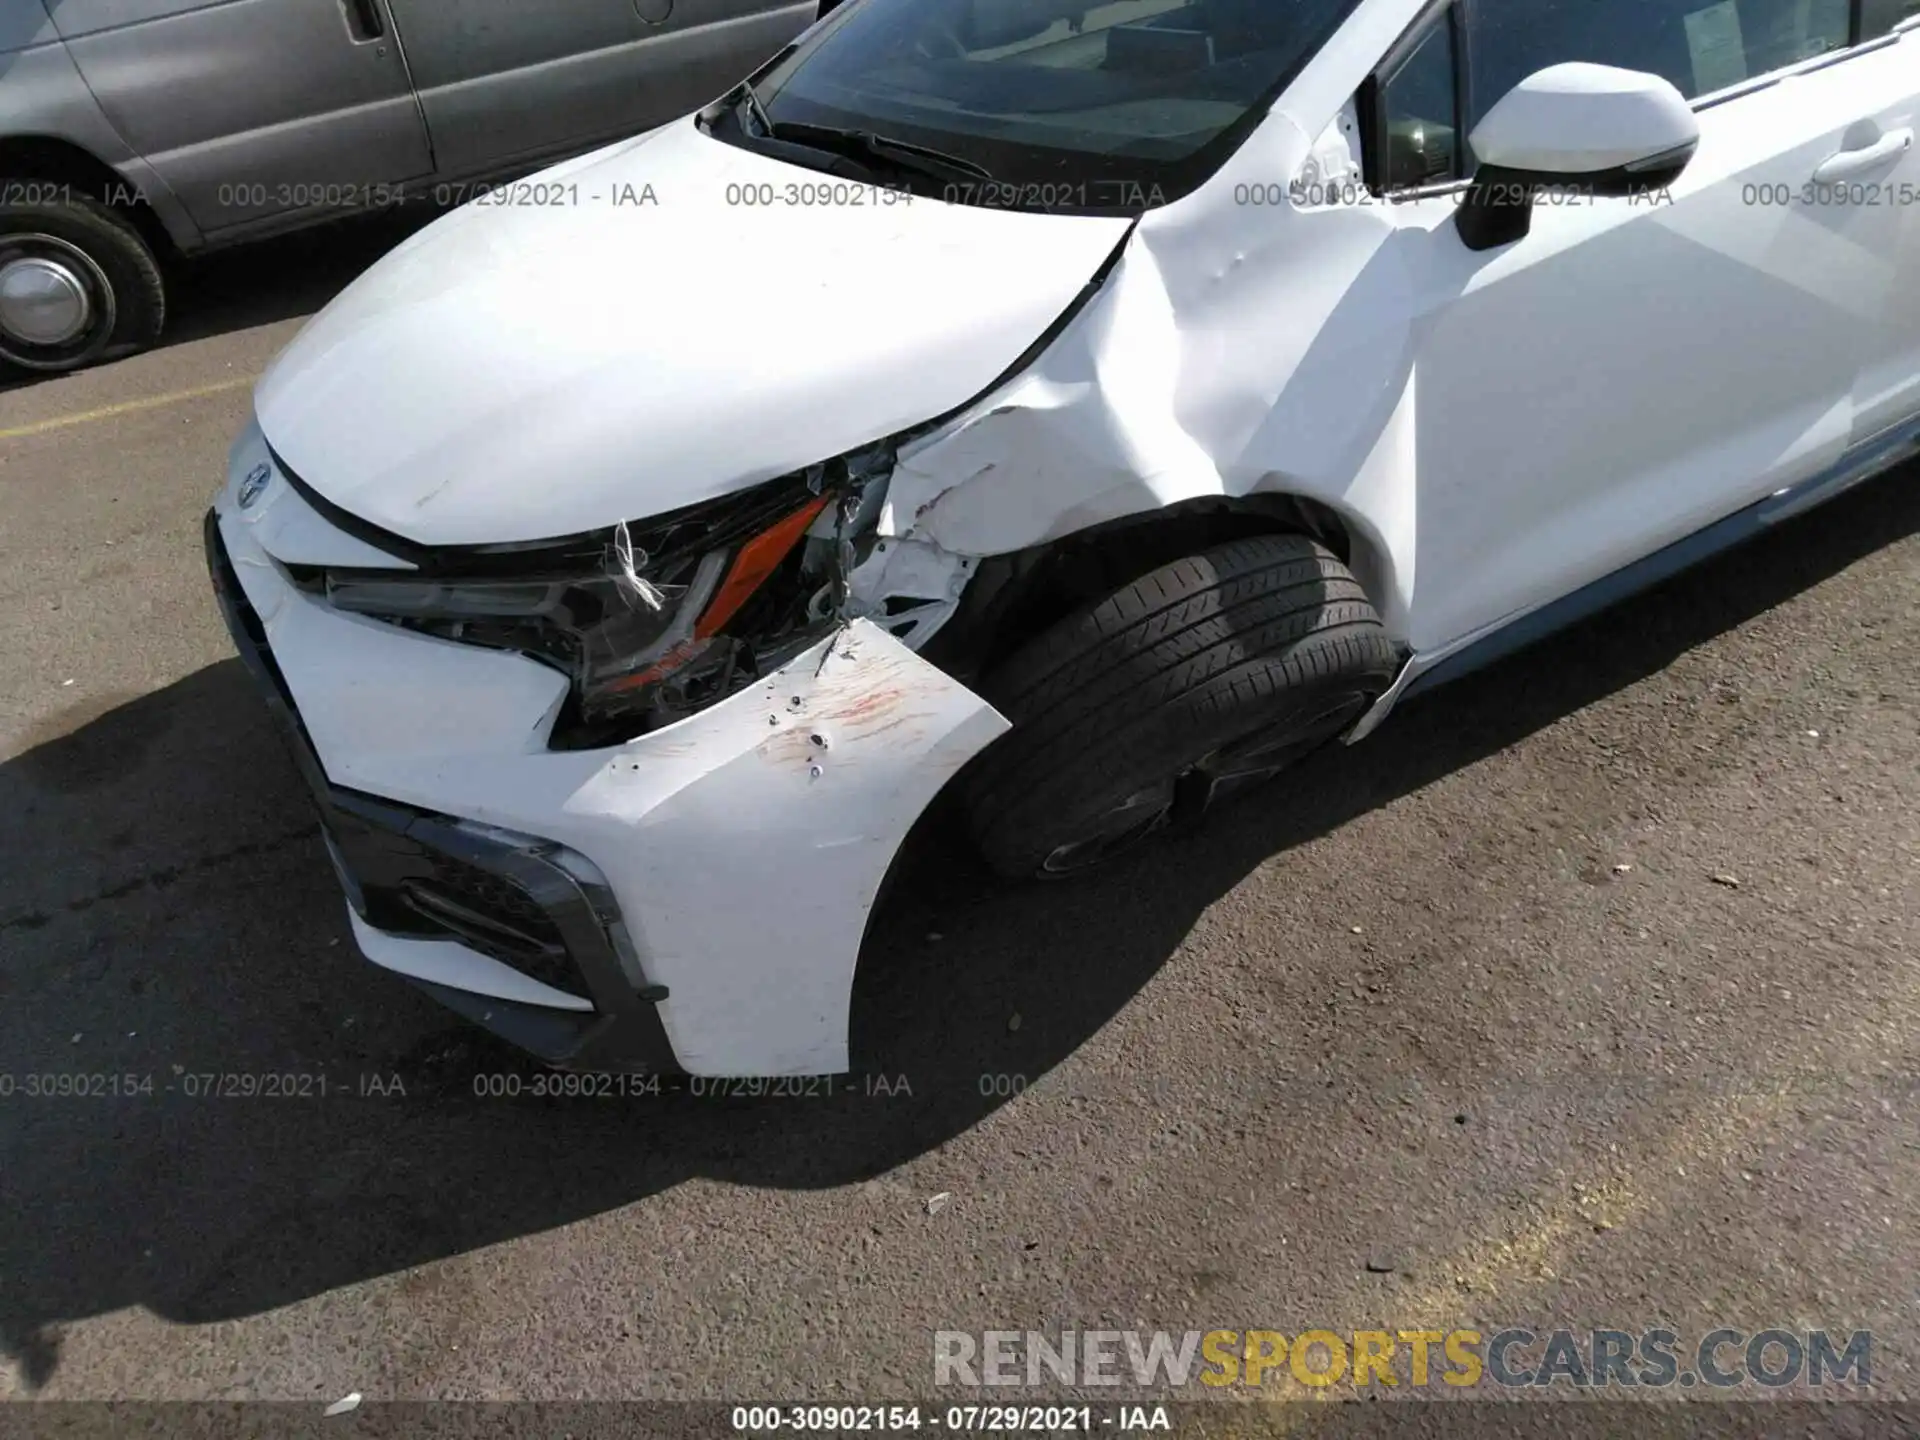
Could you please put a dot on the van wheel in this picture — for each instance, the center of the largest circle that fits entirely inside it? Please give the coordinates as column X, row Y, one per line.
column 1203, row 678
column 77, row 281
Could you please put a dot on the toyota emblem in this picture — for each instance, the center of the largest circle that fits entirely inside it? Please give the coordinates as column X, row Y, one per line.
column 254, row 485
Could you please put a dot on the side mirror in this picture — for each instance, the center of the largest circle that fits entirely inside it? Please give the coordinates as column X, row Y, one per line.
column 1596, row 128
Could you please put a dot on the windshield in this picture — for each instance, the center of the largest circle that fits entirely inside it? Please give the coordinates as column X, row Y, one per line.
column 1064, row 105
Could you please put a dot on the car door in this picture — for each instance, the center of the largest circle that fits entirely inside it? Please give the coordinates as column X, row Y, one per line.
column 1879, row 172
column 1633, row 368
column 505, row 81
column 253, row 109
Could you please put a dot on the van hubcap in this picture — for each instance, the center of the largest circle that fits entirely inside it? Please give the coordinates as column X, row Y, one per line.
column 42, row 301
column 56, row 303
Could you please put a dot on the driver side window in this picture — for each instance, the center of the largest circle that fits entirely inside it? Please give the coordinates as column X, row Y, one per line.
column 1419, row 112
column 1423, row 102
column 1410, row 111
column 1700, row 45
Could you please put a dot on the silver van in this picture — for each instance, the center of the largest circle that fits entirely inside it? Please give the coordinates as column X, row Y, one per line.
column 135, row 129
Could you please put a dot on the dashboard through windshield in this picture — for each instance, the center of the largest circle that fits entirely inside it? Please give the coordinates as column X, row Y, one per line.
column 1055, row 105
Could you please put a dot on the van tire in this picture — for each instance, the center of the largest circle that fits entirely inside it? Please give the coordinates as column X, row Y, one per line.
column 84, row 244
column 1209, row 674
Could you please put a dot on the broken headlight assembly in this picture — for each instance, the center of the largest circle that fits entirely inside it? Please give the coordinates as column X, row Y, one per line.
column 652, row 621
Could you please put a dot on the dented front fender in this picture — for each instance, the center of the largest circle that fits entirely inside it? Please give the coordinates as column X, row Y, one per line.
column 760, row 843
column 744, row 845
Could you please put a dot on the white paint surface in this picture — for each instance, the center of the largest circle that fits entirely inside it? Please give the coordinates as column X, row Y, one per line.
column 1577, row 119
column 518, row 373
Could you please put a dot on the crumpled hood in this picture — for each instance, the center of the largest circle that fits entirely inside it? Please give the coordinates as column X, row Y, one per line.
column 515, row 372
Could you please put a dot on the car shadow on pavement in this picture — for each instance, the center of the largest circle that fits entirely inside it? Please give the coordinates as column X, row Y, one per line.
column 213, row 939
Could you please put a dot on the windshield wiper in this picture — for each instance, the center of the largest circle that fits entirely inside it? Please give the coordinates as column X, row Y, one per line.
column 901, row 154
column 758, row 125
column 862, row 147
column 755, row 108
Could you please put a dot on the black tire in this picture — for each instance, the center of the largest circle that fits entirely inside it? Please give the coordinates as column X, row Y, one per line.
column 66, row 240
column 1211, row 673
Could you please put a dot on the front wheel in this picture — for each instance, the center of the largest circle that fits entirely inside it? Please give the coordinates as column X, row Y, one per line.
column 1203, row 678
column 77, row 282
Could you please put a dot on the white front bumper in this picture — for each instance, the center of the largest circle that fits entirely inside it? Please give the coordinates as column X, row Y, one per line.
column 744, row 845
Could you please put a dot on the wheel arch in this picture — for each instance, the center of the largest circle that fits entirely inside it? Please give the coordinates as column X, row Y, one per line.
column 57, row 160
column 1015, row 596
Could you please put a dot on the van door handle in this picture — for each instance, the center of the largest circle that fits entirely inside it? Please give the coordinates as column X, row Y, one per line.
column 364, row 21
column 1849, row 163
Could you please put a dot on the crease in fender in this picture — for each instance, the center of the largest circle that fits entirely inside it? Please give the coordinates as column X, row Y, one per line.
column 1156, row 391
column 927, row 433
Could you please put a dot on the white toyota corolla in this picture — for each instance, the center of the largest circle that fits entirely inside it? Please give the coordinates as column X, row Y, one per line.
column 1114, row 402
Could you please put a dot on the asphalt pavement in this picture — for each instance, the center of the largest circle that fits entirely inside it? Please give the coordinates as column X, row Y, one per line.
column 1587, row 992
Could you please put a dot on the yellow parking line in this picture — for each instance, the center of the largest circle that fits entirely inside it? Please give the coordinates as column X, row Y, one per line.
column 125, row 407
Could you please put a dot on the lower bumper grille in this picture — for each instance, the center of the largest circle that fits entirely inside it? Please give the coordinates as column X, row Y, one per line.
column 403, row 878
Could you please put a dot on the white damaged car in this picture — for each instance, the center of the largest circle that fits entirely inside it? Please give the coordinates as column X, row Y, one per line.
column 1104, row 404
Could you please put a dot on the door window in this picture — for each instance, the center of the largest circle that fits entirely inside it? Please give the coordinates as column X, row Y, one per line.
column 1420, row 107
column 1877, row 17
column 1416, row 112
column 1700, row 45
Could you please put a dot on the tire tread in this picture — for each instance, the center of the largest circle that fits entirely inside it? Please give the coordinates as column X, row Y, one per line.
column 1179, row 650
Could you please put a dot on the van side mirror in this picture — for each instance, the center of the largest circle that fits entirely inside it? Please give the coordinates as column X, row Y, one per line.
column 1595, row 128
